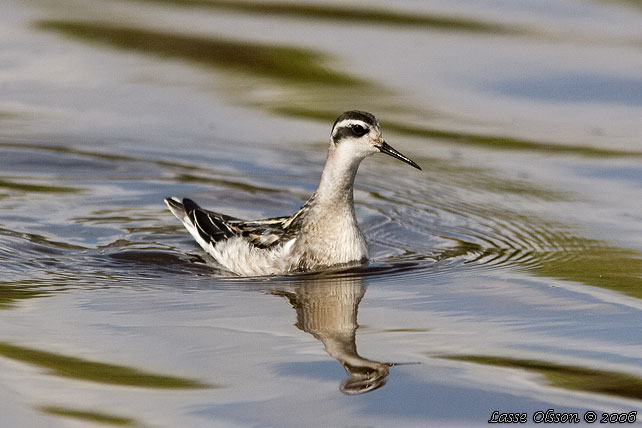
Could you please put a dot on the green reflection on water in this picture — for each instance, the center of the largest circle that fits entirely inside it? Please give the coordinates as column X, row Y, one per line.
column 89, row 416
column 601, row 265
column 504, row 142
column 39, row 188
column 547, row 249
column 13, row 292
column 286, row 63
column 91, row 371
column 356, row 15
column 495, row 142
column 568, row 377
column 8, row 115
column 101, row 155
column 634, row 3
column 330, row 93
column 294, row 77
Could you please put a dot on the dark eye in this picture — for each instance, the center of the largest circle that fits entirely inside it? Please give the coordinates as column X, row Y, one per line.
column 359, row 130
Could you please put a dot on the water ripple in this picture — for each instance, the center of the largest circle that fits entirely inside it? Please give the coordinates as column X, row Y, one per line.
column 413, row 229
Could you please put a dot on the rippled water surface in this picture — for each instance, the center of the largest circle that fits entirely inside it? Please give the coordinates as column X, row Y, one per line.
column 506, row 276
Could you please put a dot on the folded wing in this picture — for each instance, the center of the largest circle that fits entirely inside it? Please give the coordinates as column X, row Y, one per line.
column 214, row 227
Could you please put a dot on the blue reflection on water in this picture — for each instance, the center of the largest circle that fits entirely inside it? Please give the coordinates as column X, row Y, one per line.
column 582, row 88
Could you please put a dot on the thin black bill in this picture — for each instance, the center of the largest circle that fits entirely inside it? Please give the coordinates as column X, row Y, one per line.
column 387, row 149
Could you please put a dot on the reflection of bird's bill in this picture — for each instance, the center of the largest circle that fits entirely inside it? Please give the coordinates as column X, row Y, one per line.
column 403, row 364
column 390, row 151
column 367, row 376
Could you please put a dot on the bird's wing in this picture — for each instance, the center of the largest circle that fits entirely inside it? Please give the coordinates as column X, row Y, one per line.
column 264, row 233
column 271, row 231
column 215, row 227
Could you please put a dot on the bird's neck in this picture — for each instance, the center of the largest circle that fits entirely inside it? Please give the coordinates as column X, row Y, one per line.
column 337, row 180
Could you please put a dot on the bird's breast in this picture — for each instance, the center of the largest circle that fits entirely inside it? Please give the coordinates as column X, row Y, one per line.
column 332, row 240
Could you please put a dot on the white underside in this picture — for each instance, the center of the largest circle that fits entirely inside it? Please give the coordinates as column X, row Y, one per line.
column 238, row 256
column 242, row 258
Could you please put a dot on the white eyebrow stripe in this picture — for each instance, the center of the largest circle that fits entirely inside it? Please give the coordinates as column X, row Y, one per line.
column 349, row 122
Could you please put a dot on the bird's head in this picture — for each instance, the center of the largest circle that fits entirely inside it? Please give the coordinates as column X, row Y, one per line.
column 358, row 134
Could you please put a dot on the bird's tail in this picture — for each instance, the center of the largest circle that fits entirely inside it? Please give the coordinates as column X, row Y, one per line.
column 206, row 227
column 177, row 208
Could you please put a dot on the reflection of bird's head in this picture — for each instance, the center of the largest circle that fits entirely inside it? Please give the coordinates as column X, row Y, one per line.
column 365, row 376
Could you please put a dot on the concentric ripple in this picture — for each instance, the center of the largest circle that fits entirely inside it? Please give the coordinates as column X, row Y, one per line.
column 453, row 224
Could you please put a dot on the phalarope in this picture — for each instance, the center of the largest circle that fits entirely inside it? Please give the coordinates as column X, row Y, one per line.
column 322, row 233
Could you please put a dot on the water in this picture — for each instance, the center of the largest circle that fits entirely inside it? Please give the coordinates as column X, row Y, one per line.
column 506, row 276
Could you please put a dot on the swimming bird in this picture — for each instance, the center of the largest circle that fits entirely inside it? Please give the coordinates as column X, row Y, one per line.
column 322, row 233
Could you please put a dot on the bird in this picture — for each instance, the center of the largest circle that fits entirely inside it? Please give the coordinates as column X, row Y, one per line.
column 322, row 234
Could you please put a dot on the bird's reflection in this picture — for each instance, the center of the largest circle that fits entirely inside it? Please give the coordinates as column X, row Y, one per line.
column 327, row 309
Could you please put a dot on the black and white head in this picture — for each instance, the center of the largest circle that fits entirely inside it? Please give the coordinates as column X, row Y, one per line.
column 357, row 134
